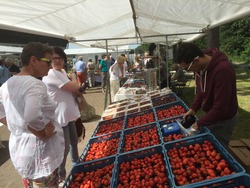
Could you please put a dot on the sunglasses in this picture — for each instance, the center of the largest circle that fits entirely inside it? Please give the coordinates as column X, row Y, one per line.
column 48, row 61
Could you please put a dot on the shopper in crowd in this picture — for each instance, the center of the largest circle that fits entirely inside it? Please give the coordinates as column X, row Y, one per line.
column 111, row 59
column 4, row 73
column 179, row 74
column 137, row 63
column 91, row 71
column 81, row 71
column 116, row 75
column 36, row 142
column 124, row 70
column 103, row 66
column 11, row 64
column 215, row 91
column 61, row 87
column 148, row 61
column 163, row 74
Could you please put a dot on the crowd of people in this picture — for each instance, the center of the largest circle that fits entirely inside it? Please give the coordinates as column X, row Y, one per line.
column 41, row 118
column 8, row 68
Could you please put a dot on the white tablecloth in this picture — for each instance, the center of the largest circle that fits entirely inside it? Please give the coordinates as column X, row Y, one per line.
column 125, row 93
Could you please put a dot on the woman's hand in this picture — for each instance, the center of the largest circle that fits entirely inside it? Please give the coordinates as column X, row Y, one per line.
column 47, row 132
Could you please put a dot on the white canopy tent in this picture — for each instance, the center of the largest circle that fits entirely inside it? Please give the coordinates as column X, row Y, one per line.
column 120, row 22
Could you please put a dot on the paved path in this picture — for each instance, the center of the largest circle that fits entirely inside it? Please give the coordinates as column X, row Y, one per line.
column 9, row 178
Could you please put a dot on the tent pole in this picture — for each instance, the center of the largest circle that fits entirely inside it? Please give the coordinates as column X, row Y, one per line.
column 107, row 93
column 167, row 61
column 159, row 64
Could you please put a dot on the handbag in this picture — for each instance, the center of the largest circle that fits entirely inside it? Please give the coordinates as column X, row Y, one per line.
column 80, row 128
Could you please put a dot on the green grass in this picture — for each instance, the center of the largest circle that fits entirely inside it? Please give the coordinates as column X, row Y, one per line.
column 242, row 130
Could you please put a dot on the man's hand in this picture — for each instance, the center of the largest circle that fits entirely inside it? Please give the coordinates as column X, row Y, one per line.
column 189, row 112
column 195, row 126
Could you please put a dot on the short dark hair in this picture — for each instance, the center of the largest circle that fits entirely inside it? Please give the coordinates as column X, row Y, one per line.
column 187, row 52
column 36, row 49
column 1, row 62
column 60, row 52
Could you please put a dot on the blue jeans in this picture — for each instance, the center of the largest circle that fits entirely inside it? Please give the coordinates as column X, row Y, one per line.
column 71, row 141
column 223, row 130
column 104, row 79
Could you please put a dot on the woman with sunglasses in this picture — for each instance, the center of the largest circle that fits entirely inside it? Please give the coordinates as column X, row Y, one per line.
column 36, row 142
column 60, row 88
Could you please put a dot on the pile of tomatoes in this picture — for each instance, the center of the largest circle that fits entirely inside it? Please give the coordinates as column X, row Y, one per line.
column 169, row 112
column 139, row 138
column 197, row 162
column 102, row 148
column 97, row 178
column 137, row 120
column 149, row 171
column 109, row 127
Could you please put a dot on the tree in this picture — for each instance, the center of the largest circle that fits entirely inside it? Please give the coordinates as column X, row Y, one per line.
column 235, row 38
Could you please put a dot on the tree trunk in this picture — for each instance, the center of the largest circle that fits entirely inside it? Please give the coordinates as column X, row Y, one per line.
column 213, row 36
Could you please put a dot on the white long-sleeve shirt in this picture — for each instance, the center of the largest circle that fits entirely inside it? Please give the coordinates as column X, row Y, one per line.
column 24, row 102
column 115, row 72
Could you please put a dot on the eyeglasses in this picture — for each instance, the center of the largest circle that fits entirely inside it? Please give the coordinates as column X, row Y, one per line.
column 48, row 61
column 57, row 58
column 190, row 65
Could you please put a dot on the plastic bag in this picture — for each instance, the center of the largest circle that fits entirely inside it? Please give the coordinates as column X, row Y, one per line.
column 87, row 111
column 187, row 131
